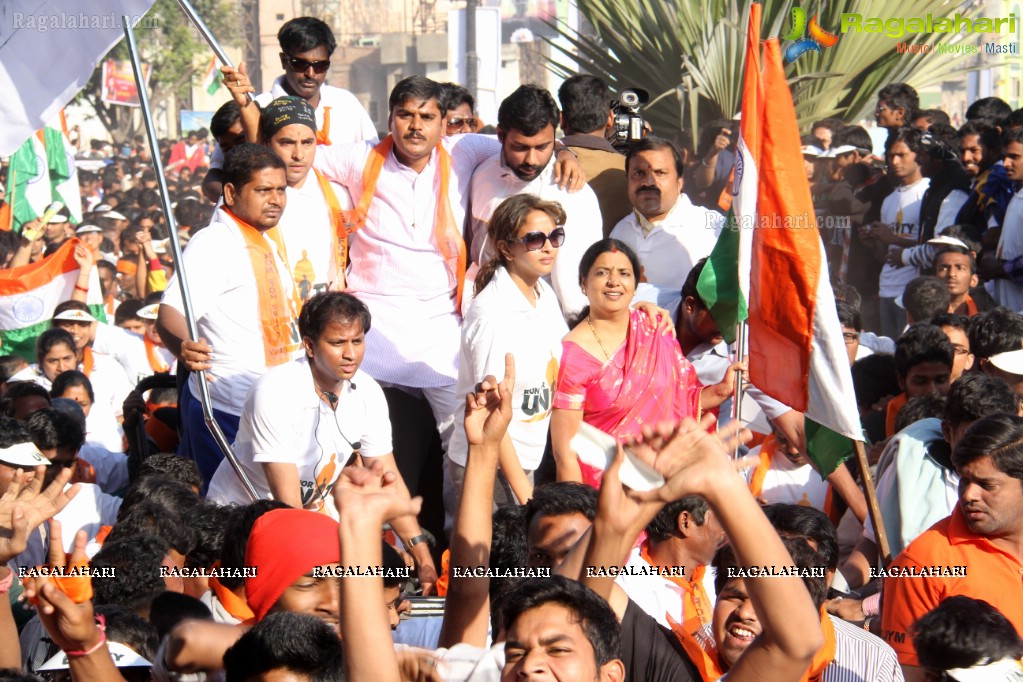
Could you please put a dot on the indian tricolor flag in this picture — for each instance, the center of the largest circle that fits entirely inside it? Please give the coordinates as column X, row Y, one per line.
column 28, row 181
column 29, row 294
column 211, row 81
column 796, row 350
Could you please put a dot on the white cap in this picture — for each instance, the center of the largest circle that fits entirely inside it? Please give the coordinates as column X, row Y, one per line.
column 160, row 245
column 103, row 208
column 1005, row 670
column 57, row 219
column 113, row 215
column 87, row 229
column 148, row 312
column 836, row 151
column 812, row 150
column 943, row 240
column 1009, row 361
column 75, row 315
column 23, row 455
column 123, row 657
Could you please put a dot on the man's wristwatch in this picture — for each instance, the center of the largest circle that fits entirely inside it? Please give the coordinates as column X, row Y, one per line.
column 419, row 539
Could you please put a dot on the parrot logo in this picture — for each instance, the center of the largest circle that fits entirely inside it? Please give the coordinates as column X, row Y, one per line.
column 819, row 38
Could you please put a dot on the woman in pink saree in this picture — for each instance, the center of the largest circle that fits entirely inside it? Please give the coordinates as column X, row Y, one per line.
column 618, row 371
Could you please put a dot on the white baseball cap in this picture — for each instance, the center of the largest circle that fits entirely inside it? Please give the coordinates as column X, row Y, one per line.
column 148, row 312
column 87, row 229
column 1009, row 361
column 23, row 455
column 75, row 315
column 836, row 151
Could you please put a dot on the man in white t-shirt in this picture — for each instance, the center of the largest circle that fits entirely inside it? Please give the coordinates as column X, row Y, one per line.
column 527, row 121
column 242, row 300
column 306, row 45
column 667, row 232
column 899, row 226
column 1009, row 290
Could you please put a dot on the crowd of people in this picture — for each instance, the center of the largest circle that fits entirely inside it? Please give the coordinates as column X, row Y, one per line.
column 481, row 419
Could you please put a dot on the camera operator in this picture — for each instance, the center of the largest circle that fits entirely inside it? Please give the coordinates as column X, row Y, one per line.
column 716, row 152
column 586, row 115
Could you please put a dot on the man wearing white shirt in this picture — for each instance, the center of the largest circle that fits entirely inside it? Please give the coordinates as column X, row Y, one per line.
column 667, row 232
column 1009, row 287
column 242, row 300
column 527, row 120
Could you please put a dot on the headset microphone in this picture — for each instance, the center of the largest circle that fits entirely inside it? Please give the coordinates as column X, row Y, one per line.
column 331, row 397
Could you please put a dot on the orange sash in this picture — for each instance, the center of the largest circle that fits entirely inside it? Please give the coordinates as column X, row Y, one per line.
column 447, row 234
column 339, row 233
column 156, row 362
column 231, row 602
column 696, row 606
column 280, row 330
column 756, row 484
column 87, row 362
column 970, row 305
column 323, row 134
column 891, row 414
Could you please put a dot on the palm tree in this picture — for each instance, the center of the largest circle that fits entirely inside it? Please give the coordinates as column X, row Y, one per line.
column 688, row 55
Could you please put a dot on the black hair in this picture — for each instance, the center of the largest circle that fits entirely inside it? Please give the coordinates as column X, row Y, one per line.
column 1013, row 120
column 170, row 465
column 803, row 556
column 224, row 118
column 594, row 615
column 169, row 493
column 975, row 395
column 296, row 642
column 960, row 322
column 990, row 109
column 16, row 675
column 560, row 499
column 303, row 34
column 16, row 390
column 245, row 160
column 987, row 133
column 809, row 524
column 331, row 306
column 188, row 213
column 919, row 407
column 995, row 331
column 136, row 561
column 50, row 338
column 874, row 377
column 922, row 343
column 925, row 297
column 811, row 141
column 855, row 136
column 452, row 96
column 962, row 632
column 1012, row 135
column 953, row 248
column 128, row 310
column 52, row 429
column 505, row 223
column 417, row 89
column 652, row 143
column 508, row 549
column 209, row 521
column 934, row 117
column 128, row 628
column 590, row 257
column 70, row 379
column 236, row 537
column 832, row 124
column 10, row 241
column 911, row 137
column 998, row 436
column 585, row 103
column 13, row 432
column 901, row 96
column 9, row 366
column 170, row 608
column 150, row 518
column 664, row 526
column 393, row 565
column 529, row 109
column 848, row 316
column 847, row 293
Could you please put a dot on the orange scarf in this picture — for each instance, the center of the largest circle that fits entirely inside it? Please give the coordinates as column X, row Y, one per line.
column 87, row 362
column 696, row 606
column 339, row 233
column 280, row 330
column 970, row 307
column 323, row 134
column 156, row 362
column 231, row 602
column 767, row 448
column 891, row 414
column 710, row 668
column 447, row 234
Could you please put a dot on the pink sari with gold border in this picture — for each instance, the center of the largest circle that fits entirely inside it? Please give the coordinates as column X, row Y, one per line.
column 647, row 381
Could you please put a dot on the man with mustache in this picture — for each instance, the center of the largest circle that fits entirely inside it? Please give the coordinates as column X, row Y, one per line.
column 526, row 122
column 981, row 538
column 665, row 229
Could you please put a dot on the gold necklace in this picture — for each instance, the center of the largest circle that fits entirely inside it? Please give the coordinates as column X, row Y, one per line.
column 601, row 343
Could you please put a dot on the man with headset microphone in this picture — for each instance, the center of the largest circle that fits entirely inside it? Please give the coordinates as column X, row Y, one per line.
column 306, row 420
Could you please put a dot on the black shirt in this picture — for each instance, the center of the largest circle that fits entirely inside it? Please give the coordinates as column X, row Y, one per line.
column 651, row 653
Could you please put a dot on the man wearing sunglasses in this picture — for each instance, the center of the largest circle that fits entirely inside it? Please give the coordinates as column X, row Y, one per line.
column 526, row 121
column 306, row 47
column 458, row 104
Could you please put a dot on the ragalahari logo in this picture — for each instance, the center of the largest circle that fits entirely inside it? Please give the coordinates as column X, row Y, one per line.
column 818, row 39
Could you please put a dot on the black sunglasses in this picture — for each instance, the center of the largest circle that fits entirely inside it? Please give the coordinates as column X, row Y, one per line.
column 534, row 241
column 454, row 123
column 301, row 65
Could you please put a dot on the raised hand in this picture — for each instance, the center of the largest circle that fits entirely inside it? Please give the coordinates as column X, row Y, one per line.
column 372, row 492
column 25, row 506
column 488, row 411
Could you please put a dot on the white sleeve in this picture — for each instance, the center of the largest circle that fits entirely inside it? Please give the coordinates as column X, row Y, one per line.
column 486, row 352
column 268, row 410
column 583, row 227
column 203, row 260
column 950, row 209
column 343, row 163
column 477, row 147
column 376, row 432
column 120, row 344
column 367, row 131
column 216, row 158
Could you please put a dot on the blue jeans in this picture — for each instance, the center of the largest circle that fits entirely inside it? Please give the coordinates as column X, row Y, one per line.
column 197, row 442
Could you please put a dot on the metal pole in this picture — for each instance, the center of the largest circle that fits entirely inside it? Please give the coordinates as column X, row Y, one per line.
column 740, row 353
column 186, row 299
column 471, row 58
column 205, row 32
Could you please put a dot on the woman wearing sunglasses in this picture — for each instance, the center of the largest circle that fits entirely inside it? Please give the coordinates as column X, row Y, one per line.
column 618, row 371
column 514, row 311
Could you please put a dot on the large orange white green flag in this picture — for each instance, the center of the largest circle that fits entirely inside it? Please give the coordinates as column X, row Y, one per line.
column 29, row 294
column 796, row 351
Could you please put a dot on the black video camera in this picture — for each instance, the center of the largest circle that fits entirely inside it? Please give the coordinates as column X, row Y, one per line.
column 628, row 121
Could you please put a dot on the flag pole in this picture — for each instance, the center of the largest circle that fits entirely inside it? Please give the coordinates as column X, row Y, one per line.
column 186, row 299
column 740, row 353
column 207, row 34
column 873, row 508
